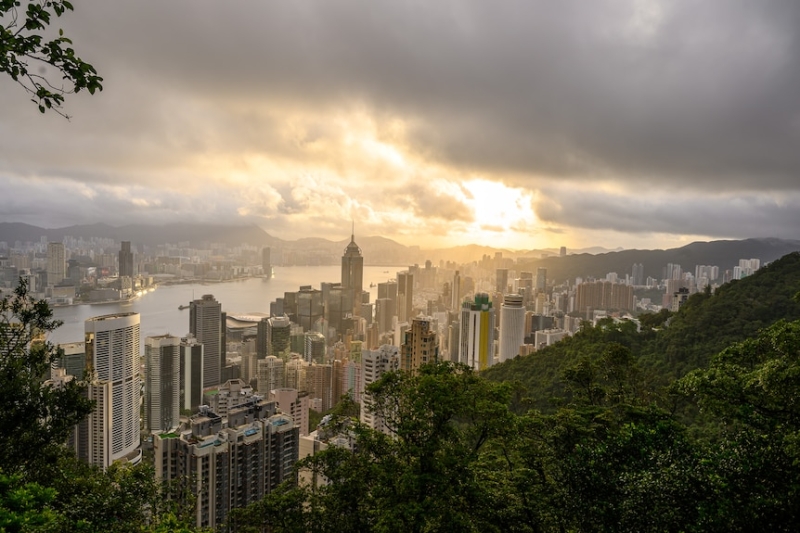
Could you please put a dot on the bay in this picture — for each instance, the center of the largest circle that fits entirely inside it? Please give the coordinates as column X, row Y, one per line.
column 158, row 308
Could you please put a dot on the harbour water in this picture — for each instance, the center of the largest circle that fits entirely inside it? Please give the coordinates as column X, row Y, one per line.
column 159, row 307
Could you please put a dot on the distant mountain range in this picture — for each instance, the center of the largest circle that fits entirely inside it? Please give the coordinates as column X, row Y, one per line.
column 593, row 261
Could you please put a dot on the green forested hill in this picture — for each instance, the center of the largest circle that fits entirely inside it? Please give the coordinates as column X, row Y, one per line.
column 704, row 326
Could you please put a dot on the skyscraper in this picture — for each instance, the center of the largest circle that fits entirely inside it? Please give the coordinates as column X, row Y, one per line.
column 125, row 260
column 56, row 263
column 266, row 262
column 420, row 345
column 161, row 383
column 191, row 379
column 112, row 356
column 405, row 296
column 541, row 279
column 501, row 281
column 353, row 273
column 455, row 290
column 477, row 332
column 375, row 363
column 270, row 374
column 205, row 323
column 512, row 327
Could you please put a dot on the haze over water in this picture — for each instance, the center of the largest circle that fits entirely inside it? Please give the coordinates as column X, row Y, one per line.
column 159, row 308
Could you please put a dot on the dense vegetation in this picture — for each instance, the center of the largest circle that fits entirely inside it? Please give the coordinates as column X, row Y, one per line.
column 690, row 424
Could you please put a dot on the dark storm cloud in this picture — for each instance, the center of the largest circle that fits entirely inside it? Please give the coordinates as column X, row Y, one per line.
column 751, row 215
column 700, row 93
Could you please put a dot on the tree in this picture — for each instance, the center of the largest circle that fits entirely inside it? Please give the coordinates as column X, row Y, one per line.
column 34, row 416
column 25, row 50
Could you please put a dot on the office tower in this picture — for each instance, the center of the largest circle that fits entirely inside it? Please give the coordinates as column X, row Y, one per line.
column 353, row 273
column 563, row 251
column 205, row 323
column 314, row 347
column 112, row 356
column 384, row 312
column 74, row 359
column 225, row 463
column 191, row 373
column 273, row 337
column 270, row 374
column 420, row 345
column 501, row 281
column 295, row 404
column 374, row 364
column 309, row 307
column 56, row 263
column 262, row 346
column 512, row 327
column 455, row 291
column 337, row 304
column 454, row 341
column 405, row 296
column 162, row 383
column 367, row 313
column 125, row 260
column 266, row 262
column 477, row 332
column 541, row 279
column 388, row 289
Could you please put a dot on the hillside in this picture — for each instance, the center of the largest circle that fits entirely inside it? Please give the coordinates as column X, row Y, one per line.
column 704, row 326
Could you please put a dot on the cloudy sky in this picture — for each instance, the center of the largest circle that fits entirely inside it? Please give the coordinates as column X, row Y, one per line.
column 520, row 124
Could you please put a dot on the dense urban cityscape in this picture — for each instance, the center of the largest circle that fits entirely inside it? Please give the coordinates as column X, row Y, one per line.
column 242, row 385
column 376, row 266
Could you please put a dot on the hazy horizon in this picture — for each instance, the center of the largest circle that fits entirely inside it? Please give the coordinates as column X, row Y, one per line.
column 517, row 125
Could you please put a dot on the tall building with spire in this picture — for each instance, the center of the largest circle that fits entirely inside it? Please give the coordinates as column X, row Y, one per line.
column 353, row 272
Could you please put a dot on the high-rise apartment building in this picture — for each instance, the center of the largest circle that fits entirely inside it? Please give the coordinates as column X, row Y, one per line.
column 125, row 260
column 320, row 384
column 162, row 383
column 112, row 356
column 374, row 364
column 512, row 327
column 637, row 274
column 205, row 323
column 56, row 263
column 477, row 332
column 605, row 295
column 294, row 403
column 353, row 273
column 420, row 345
column 228, row 462
column 270, row 374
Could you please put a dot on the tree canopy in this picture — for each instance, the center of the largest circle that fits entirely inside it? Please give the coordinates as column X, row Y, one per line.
column 29, row 46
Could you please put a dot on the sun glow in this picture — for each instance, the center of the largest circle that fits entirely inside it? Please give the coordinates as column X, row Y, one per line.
column 503, row 215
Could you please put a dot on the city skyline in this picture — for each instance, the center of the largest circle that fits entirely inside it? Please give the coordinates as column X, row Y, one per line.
column 638, row 124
